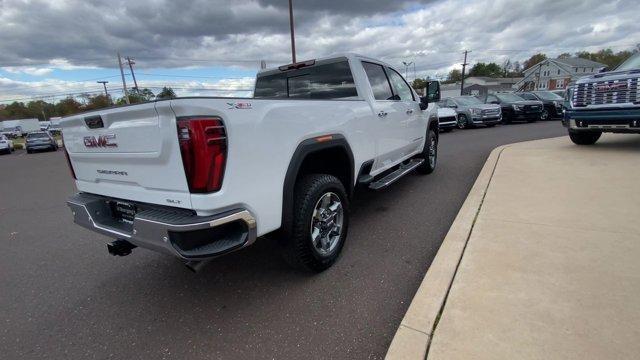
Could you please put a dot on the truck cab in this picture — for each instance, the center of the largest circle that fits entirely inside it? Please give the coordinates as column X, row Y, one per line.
column 604, row 102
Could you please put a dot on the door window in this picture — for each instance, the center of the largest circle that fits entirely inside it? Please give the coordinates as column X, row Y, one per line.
column 400, row 87
column 378, row 80
column 492, row 99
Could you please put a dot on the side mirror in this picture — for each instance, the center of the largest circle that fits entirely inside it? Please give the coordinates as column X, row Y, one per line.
column 604, row 69
column 424, row 103
column 433, row 91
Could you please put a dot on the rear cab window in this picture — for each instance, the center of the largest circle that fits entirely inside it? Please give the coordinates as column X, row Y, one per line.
column 324, row 80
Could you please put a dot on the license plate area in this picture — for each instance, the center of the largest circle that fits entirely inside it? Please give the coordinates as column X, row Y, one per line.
column 123, row 211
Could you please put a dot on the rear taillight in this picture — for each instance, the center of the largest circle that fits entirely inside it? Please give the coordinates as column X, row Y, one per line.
column 203, row 145
column 66, row 156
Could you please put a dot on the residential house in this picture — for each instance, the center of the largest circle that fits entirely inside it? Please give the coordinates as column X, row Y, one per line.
column 556, row 74
column 479, row 86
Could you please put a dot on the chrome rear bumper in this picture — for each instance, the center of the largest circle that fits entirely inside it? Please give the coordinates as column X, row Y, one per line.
column 174, row 231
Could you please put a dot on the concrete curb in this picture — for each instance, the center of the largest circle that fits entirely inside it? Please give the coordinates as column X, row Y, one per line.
column 413, row 337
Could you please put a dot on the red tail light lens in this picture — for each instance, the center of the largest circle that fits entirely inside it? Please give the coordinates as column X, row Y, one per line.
column 203, row 145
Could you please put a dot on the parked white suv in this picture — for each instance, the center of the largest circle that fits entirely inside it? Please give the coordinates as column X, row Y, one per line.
column 6, row 145
column 200, row 177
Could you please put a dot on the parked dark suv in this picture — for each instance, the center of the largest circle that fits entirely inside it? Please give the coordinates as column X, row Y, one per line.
column 40, row 140
column 514, row 108
column 551, row 102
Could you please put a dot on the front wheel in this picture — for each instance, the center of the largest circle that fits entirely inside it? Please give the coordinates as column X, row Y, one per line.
column 429, row 154
column 584, row 137
column 462, row 121
column 320, row 223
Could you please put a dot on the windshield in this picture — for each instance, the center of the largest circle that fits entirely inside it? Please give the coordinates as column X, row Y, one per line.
column 631, row 63
column 467, row 100
column 547, row 95
column 508, row 97
column 38, row 136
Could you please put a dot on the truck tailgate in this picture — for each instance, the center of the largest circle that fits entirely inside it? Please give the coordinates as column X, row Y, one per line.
column 129, row 152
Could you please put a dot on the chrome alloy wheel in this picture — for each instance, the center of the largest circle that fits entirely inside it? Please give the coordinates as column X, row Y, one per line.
column 326, row 223
column 433, row 152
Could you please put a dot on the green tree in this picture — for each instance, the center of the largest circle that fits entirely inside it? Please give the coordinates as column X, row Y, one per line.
column 534, row 60
column 490, row 70
column 606, row 56
column 136, row 97
column 168, row 93
column 68, row 106
column 564, row 56
column 97, row 102
column 454, row 76
column 419, row 84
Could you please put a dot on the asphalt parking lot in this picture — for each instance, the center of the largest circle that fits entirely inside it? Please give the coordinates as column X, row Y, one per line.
column 64, row 296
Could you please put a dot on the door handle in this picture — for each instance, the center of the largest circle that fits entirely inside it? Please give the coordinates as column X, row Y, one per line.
column 382, row 113
column 410, row 111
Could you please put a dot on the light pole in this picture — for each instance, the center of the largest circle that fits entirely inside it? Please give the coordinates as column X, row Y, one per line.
column 293, row 37
column 406, row 69
column 106, row 93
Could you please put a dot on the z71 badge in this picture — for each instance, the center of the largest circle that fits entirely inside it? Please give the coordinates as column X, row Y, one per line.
column 239, row 105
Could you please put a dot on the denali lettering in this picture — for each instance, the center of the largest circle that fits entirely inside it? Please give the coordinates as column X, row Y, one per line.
column 112, row 172
column 101, row 141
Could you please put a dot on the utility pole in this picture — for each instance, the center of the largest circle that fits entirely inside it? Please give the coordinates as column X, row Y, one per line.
column 135, row 83
column 293, row 37
column 124, row 83
column 464, row 66
column 106, row 93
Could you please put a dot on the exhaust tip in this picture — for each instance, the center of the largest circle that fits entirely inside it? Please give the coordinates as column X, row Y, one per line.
column 196, row 266
column 120, row 247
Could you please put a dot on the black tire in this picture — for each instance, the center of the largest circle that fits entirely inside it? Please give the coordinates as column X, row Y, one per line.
column 429, row 164
column 544, row 115
column 462, row 121
column 28, row 151
column 299, row 250
column 584, row 137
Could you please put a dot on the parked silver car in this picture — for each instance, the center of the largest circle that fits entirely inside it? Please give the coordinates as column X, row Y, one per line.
column 471, row 111
column 40, row 140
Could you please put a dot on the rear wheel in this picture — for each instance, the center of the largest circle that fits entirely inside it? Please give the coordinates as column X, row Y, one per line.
column 544, row 115
column 584, row 137
column 320, row 223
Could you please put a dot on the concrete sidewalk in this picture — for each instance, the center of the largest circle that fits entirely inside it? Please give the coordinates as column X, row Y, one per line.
column 541, row 262
column 551, row 269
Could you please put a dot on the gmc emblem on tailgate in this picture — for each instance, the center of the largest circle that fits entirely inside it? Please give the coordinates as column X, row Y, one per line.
column 101, row 141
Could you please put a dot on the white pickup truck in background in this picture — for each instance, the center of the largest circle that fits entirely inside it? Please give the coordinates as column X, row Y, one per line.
column 200, row 177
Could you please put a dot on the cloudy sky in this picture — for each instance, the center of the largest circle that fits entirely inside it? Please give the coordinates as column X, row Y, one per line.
column 207, row 47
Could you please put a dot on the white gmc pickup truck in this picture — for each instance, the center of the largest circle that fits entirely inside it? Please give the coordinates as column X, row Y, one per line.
column 200, row 177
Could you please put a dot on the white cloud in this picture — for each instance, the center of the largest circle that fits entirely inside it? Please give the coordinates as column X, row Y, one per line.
column 29, row 70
